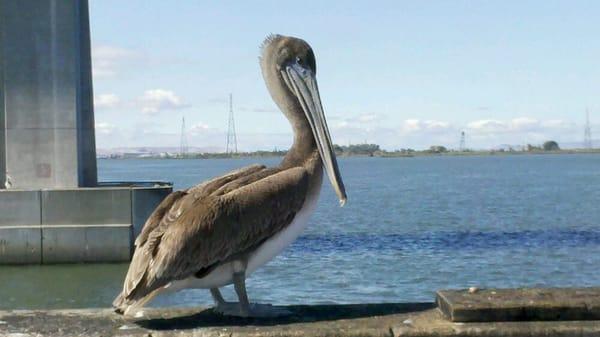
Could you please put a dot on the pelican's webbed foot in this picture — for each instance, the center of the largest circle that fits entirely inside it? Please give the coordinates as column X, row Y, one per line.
column 244, row 308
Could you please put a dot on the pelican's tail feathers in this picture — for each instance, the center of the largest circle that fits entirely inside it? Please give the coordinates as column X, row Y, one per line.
column 119, row 304
column 128, row 307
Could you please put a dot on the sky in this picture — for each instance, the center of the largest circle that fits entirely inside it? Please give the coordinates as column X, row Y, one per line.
column 399, row 74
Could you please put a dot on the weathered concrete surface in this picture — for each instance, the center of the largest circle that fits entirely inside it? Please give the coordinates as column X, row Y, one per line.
column 92, row 224
column 20, row 227
column 524, row 304
column 46, row 104
column 86, row 225
column 51, row 207
column 417, row 319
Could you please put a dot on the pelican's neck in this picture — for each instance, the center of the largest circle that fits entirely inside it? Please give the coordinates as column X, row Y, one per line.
column 304, row 146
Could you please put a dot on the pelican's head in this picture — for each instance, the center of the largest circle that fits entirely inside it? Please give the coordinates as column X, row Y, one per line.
column 289, row 69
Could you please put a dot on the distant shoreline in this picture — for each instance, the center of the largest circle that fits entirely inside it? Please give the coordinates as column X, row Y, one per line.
column 377, row 154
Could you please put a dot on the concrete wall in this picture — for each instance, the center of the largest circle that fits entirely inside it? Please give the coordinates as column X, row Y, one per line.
column 47, row 101
column 20, row 227
column 2, row 123
column 86, row 140
column 86, row 225
column 74, row 225
column 144, row 201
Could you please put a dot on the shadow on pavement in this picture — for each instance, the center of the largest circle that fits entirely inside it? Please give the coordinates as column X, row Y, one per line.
column 300, row 314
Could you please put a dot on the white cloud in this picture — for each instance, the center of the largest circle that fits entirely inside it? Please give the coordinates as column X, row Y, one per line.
column 104, row 128
column 557, row 124
column 367, row 118
column 260, row 109
column 524, row 124
column 487, row 133
column 520, row 124
column 342, row 124
column 487, row 125
column 201, row 128
column 156, row 100
column 410, row 133
column 106, row 101
column 411, row 125
column 436, row 125
column 416, row 125
column 106, row 60
column 484, row 133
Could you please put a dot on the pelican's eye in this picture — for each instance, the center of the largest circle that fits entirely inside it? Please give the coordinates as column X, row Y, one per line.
column 299, row 60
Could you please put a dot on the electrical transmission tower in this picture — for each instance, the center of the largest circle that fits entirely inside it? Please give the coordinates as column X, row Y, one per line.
column 231, row 137
column 462, row 146
column 183, row 145
column 587, row 136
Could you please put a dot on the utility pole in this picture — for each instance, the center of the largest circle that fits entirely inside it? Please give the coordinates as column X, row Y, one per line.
column 183, row 145
column 231, row 136
column 462, row 146
column 587, row 134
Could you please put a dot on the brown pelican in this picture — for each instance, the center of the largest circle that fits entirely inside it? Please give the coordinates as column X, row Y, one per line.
column 222, row 230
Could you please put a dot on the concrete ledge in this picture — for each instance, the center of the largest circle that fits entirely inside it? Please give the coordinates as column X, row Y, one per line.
column 90, row 224
column 403, row 319
column 524, row 304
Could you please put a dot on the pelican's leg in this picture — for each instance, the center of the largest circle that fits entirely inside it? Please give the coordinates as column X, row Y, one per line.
column 217, row 297
column 244, row 308
column 241, row 308
column 239, row 283
column 222, row 306
column 248, row 309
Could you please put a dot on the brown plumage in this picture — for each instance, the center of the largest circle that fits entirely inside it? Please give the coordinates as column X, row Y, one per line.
column 245, row 214
column 210, row 223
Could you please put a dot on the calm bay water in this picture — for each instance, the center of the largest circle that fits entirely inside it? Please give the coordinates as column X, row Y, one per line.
column 411, row 226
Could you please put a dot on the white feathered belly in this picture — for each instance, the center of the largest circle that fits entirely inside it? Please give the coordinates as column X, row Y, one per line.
column 223, row 274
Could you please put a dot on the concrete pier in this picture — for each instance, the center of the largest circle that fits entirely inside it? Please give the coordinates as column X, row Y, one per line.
column 92, row 224
column 385, row 319
column 52, row 208
column 377, row 320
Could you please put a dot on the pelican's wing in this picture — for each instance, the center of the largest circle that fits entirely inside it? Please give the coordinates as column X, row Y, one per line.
column 204, row 188
column 164, row 215
column 159, row 212
column 213, row 222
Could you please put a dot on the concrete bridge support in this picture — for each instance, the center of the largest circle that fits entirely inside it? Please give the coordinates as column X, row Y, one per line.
column 52, row 208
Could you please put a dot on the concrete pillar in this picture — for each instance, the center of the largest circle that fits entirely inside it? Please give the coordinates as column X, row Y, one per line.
column 46, row 102
column 52, row 208
column 2, row 122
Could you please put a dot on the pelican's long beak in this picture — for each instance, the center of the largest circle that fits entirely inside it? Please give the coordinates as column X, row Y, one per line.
column 303, row 83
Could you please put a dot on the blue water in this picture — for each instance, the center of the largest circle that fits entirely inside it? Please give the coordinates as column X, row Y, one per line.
column 411, row 226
